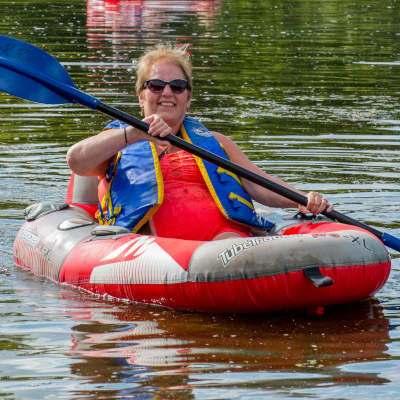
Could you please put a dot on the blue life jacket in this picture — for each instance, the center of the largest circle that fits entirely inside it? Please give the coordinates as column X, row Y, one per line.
column 136, row 188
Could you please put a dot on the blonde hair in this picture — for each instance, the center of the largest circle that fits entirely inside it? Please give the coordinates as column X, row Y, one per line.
column 173, row 54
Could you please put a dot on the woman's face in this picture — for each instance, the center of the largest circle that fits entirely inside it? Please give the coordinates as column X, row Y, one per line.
column 169, row 105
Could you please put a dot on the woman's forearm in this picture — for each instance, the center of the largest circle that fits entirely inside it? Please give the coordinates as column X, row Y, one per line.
column 92, row 155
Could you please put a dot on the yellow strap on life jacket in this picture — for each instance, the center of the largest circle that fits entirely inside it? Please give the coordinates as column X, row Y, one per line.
column 106, row 205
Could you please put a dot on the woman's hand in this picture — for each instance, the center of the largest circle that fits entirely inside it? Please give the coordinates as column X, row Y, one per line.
column 157, row 126
column 158, row 129
column 316, row 204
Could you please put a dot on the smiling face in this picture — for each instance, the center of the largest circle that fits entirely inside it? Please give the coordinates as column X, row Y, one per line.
column 170, row 106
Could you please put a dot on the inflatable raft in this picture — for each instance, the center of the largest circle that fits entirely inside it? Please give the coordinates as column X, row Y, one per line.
column 300, row 264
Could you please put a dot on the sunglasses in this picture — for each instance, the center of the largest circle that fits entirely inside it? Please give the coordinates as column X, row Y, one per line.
column 157, row 85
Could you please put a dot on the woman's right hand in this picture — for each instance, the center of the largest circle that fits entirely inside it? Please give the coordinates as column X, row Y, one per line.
column 158, row 129
column 157, row 126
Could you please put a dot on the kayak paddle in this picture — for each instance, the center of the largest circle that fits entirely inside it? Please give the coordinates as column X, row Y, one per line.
column 32, row 74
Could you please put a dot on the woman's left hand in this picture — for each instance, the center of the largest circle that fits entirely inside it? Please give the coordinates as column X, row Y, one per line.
column 316, row 204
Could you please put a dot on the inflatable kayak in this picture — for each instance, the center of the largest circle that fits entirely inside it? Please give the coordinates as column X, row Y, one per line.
column 300, row 264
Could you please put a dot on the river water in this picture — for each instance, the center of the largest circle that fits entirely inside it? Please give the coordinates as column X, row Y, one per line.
column 309, row 89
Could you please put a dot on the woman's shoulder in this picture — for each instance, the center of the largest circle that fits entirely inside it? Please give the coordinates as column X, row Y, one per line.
column 226, row 141
column 220, row 137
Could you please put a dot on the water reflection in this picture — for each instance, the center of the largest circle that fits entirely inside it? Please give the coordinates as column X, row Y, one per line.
column 145, row 15
column 118, row 32
column 168, row 349
column 310, row 91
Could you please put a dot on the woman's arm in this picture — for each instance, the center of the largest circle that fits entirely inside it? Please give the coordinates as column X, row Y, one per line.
column 92, row 156
column 316, row 202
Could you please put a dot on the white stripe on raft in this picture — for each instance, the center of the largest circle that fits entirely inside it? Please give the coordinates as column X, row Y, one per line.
column 154, row 266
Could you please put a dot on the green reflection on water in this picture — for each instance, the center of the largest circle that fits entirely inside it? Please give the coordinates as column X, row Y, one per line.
column 263, row 66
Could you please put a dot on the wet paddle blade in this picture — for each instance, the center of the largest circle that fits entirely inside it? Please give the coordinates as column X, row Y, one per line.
column 30, row 73
column 21, row 63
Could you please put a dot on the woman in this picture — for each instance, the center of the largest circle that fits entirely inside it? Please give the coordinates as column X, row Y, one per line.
column 192, row 200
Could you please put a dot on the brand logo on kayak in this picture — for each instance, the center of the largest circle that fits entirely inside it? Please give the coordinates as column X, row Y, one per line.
column 30, row 237
column 133, row 248
column 228, row 255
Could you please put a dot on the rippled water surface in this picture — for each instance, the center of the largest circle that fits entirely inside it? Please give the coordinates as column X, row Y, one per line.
column 310, row 90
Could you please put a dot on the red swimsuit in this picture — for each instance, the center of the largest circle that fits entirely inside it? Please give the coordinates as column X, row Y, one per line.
column 188, row 210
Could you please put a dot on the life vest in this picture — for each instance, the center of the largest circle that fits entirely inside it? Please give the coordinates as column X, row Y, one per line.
column 133, row 189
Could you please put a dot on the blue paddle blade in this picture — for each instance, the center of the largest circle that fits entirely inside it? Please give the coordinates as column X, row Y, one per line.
column 14, row 54
column 390, row 241
column 32, row 74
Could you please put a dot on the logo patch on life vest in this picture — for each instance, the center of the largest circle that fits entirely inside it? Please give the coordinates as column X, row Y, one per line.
column 202, row 132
